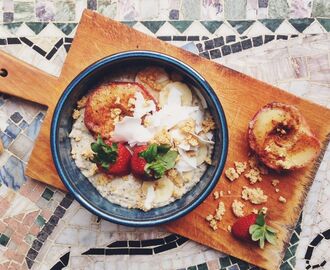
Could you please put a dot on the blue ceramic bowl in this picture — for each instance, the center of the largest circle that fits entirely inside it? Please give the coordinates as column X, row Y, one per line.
column 83, row 191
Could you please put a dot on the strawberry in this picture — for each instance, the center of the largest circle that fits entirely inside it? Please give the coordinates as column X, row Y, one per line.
column 253, row 228
column 112, row 158
column 138, row 163
column 151, row 162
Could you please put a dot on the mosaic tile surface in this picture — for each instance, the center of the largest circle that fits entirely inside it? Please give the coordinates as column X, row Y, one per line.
column 272, row 40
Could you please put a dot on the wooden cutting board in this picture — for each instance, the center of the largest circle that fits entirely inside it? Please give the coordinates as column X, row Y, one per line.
column 240, row 95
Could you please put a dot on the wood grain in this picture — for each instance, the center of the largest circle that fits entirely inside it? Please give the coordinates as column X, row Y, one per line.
column 241, row 97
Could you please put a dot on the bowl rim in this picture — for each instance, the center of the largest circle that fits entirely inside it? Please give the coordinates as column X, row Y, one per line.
column 153, row 56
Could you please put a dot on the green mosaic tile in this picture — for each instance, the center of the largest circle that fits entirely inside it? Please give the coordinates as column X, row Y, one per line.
column 286, row 266
column 12, row 27
column 107, row 8
column 321, row 8
column 47, row 194
column 36, row 27
column 301, row 24
column 294, row 238
column 293, row 249
column 29, row 238
column 224, row 262
column 212, row 26
column 129, row 23
column 4, row 239
column 24, row 11
column 325, row 23
column 192, row 268
column 235, row 10
column 202, row 266
column 181, row 26
column 271, row 24
column 287, row 255
column 40, row 221
column 241, row 26
column 278, row 9
column 153, row 26
column 292, row 261
column 66, row 28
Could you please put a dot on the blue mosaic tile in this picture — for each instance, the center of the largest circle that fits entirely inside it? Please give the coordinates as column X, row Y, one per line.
column 33, row 130
column 40, row 116
column 23, row 125
column 12, row 130
column 16, row 117
column 6, row 140
column 1, row 102
column 12, row 173
column 233, row 267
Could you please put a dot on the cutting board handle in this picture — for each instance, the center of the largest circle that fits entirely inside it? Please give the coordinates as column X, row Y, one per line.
column 20, row 79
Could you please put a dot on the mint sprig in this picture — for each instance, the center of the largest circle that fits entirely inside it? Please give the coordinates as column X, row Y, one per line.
column 104, row 154
column 262, row 232
column 159, row 159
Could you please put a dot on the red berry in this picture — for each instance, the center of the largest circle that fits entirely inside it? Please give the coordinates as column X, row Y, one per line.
column 122, row 163
column 240, row 229
column 138, row 163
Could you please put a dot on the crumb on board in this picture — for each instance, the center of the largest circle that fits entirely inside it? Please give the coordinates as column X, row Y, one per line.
column 221, row 193
column 213, row 219
column 214, row 224
column 237, row 208
column 229, row 228
column 209, row 217
column 208, row 124
column 254, row 195
column 240, row 167
column 275, row 182
column 231, row 174
column 229, row 192
column 264, row 210
column 277, row 190
column 255, row 211
column 282, row 199
column 216, row 195
column 253, row 175
column 75, row 114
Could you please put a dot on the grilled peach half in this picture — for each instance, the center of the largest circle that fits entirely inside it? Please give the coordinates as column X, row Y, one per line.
column 281, row 137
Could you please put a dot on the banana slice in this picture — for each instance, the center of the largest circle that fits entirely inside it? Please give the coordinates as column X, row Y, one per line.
column 149, row 191
column 186, row 96
column 163, row 190
column 201, row 154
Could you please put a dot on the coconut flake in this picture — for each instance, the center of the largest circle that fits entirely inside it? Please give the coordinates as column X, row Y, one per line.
column 142, row 106
column 185, row 163
column 132, row 131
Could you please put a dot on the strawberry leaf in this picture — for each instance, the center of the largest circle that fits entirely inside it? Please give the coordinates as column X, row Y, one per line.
column 270, row 237
column 253, row 227
column 257, row 234
column 270, row 229
column 262, row 243
column 260, row 219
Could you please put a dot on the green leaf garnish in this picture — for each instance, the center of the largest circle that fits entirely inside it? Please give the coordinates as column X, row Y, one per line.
column 104, row 154
column 159, row 159
column 262, row 232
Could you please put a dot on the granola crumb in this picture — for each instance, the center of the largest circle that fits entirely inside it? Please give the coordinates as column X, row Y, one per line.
column 175, row 177
column 209, row 217
column 277, row 190
column 77, row 138
column 88, row 154
column 240, row 167
column 275, row 182
column 162, row 137
column 220, row 211
column 214, row 224
column 208, row 124
column 229, row 228
column 231, row 174
column 229, row 192
column 221, row 193
column 282, row 199
column 216, row 195
column 255, row 211
column 253, row 175
column 237, row 208
column 82, row 102
column 208, row 160
column 254, row 195
column 75, row 114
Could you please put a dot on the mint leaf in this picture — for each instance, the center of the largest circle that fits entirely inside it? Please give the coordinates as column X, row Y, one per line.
column 161, row 164
column 150, row 153
column 163, row 148
column 104, row 154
